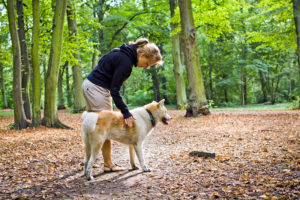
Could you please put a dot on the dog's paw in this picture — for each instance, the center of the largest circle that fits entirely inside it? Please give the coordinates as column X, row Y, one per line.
column 89, row 178
column 147, row 170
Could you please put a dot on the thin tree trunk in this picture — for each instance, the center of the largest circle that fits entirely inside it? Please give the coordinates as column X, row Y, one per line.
column 243, row 86
column 69, row 89
column 24, row 59
column 50, row 114
column 19, row 115
column 155, row 83
column 197, row 99
column 100, row 14
column 263, row 86
column 79, row 104
column 3, row 87
column 94, row 59
column 296, row 8
column 211, row 62
column 61, row 103
column 178, row 69
column 36, row 83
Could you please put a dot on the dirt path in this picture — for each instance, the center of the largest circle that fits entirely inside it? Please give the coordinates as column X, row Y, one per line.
column 257, row 157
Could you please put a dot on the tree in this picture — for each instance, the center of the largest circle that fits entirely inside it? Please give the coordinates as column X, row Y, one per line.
column 77, row 75
column 296, row 9
column 36, row 83
column 50, row 113
column 19, row 115
column 24, row 59
column 178, row 67
column 3, row 87
column 197, row 99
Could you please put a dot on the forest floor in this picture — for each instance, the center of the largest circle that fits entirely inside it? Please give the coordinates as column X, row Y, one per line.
column 257, row 157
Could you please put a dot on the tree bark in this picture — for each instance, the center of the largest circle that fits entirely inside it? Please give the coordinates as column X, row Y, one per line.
column 36, row 83
column 211, row 62
column 243, row 70
column 94, row 59
column 24, row 60
column 50, row 115
column 296, row 9
column 263, row 86
column 155, row 81
column 61, row 103
column 79, row 103
column 69, row 89
column 178, row 69
column 3, row 87
column 197, row 99
column 100, row 13
column 19, row 115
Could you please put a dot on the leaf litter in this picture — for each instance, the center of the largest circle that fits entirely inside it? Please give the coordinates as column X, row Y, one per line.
column 257, row 157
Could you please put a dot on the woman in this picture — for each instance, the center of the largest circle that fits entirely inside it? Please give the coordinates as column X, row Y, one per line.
column 104, row 82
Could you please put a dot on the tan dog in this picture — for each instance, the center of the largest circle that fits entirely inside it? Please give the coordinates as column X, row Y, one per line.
column 98, row 127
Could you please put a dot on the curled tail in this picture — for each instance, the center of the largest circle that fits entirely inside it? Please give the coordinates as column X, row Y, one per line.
column 83, row 116
column 89, row 121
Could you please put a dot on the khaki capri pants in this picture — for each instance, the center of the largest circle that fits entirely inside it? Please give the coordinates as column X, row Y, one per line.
column 96, row 97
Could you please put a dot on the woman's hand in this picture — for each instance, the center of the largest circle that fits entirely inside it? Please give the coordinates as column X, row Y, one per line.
column 129, row 121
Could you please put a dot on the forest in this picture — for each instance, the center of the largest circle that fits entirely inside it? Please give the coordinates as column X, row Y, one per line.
column 218, row 55
column 247, row 51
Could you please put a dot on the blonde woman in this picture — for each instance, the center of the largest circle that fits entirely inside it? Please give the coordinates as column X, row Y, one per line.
column 103, row 84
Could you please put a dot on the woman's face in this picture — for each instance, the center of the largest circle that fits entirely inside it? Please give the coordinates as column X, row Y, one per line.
column 144, row 62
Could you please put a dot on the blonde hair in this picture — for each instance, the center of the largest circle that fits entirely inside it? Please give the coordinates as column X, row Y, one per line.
column 150, row 50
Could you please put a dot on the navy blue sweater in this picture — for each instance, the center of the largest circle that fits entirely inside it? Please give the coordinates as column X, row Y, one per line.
column 112, row 70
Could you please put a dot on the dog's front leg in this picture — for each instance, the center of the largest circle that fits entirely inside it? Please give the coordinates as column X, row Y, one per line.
column 139, row 152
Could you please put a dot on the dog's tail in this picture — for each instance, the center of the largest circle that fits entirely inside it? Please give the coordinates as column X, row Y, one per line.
column 89, row 121
column 84, row 115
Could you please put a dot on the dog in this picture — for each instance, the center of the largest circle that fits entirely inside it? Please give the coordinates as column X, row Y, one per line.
column 110, row 125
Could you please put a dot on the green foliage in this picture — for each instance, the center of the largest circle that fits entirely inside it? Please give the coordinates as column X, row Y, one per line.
column 295, row 104
column 258, row 35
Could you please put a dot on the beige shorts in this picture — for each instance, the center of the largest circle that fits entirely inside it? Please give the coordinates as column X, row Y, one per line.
column 96, row 97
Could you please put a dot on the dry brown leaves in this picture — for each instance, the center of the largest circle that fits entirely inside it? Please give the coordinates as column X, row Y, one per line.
column 257, row 157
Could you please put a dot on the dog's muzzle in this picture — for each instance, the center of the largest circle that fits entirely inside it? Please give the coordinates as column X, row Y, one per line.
column 166, row 119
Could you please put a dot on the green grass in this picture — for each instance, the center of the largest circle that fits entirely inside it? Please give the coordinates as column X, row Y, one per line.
column 6, row 114
column 283, row 106
column 256, row 107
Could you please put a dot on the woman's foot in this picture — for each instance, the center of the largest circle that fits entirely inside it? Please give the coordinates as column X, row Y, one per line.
column 114, row 168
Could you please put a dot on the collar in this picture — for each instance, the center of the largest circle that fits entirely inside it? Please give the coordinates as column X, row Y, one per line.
column 151, row 117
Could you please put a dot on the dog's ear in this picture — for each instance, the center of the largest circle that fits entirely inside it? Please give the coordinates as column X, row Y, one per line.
column 161, row 103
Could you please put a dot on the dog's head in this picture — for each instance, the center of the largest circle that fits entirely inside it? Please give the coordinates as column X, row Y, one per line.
column 159, row 111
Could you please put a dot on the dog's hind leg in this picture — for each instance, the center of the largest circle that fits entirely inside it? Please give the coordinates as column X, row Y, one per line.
column 139, row 152
column 95, row 147
column 132, row 154
column 87, row 156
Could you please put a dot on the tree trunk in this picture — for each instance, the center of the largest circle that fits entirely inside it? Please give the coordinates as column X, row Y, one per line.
column 79, row 103
column 197, row 99
column 24, row 59
column 19, row 115
column 36, row 83
column 243, row 86
column 263, row 86
column 100, row 14
column 178, row 67
column 211, row 62
column 94, row 59
column 155, row 81
column 50, row 115
column 61, row 103
column 69, row 89
column 296, row 8
column 3, row 87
